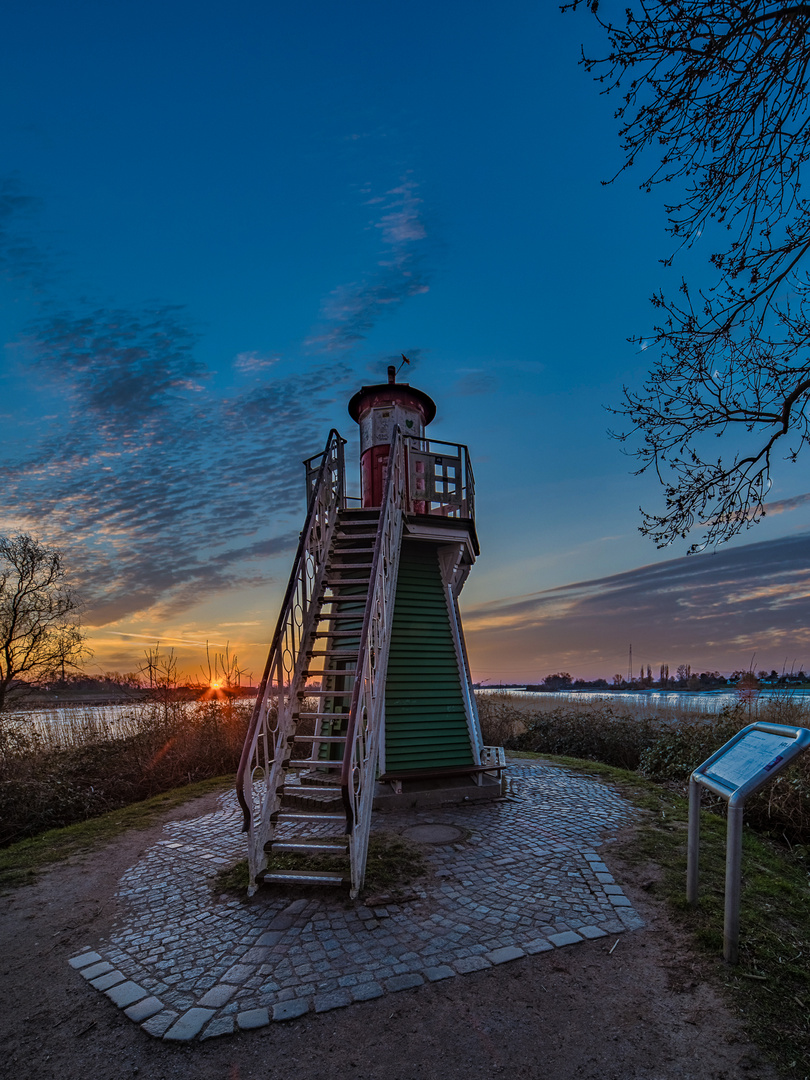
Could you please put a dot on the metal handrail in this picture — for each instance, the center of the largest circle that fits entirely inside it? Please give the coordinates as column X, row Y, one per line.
column 313, row 472
column 359, row 769
column 425, row 447
column 284, row 672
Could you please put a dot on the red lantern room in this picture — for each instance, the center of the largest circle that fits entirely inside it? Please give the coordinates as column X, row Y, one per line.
column 378, row 409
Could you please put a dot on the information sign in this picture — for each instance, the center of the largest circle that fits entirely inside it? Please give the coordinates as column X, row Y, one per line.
column 758, row 751
column 746, row 763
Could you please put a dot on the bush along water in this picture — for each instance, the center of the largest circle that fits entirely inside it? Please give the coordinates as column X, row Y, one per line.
column 77, row 770
column 663, row 749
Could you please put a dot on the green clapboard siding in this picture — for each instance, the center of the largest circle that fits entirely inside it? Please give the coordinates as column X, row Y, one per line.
column 425, row 722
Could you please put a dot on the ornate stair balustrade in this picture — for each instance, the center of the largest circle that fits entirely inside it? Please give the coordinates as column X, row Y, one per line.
column 359, row 772
column 272, row 726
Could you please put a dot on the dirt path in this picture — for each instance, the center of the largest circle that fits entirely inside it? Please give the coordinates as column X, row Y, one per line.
column 640, row 1011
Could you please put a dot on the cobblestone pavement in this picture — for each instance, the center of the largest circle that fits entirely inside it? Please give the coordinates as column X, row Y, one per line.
column 525, row 878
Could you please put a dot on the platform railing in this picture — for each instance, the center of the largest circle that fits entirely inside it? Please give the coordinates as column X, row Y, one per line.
column 359, row 772
column 440, row 478
column 271, row 726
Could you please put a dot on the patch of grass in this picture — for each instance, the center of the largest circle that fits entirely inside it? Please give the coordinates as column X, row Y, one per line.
column 233, row 879
column 770, row 988
column 391, row 865
column 21, row 862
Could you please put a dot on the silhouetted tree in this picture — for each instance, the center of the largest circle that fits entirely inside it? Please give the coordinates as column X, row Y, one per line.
column 559, row 681
column 717, row 89
column 40, row 635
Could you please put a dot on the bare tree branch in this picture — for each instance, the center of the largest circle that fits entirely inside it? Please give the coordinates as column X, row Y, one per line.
column 40, row 634
column 718, row 90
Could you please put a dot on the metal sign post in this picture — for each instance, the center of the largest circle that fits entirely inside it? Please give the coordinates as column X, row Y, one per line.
column 746, row 763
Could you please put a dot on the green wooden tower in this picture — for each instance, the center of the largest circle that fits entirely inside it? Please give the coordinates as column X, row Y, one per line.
column 431, row 729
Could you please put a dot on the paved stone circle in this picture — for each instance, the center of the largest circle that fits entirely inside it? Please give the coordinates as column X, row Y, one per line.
column 520, row 876
column 433, row 833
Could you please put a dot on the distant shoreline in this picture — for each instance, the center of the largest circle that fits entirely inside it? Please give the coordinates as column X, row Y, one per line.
column 617, row 690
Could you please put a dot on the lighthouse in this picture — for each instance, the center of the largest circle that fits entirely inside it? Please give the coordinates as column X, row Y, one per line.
column 366, row 699
column 431, row 721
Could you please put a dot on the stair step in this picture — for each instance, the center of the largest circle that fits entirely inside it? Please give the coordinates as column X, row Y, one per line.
column 356, row 536
column 321, row 738
column 336, row 633
column 306, row 763
column 292, row 817
column 307, row 847
column 351, row 551
column 348, row 654
column 328, row 673
column 309, row 789
column 322, row 801
column 323, row 716
column 358, row 615
column 345, row 581
column 303, row 877
column 324, row 783
column 325, row 693
column 347, row 566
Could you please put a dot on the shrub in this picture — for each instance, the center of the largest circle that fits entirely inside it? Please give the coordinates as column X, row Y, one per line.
column 782, row 807
column 501, row 718
column 679, row 748
column 597, row 733
column 70, row 772
column 663, row 748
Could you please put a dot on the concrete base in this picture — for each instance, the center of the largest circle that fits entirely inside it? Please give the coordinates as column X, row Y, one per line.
column 439, row 791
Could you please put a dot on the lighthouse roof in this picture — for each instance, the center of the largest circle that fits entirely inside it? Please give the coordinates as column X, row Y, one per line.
column 393, row 391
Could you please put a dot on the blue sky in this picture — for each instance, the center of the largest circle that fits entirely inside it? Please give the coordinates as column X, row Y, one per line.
column 217, row 221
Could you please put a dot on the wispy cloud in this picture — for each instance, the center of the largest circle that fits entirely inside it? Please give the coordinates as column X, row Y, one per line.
column 254, row 361
column 163, row 491
column 700, row 610
column 472, row 381
column 351, row 311
column 778, row 506
column 782, row 506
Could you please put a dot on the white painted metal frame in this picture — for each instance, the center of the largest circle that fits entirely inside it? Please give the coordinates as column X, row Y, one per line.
column 272, row 724
column 366, row 719
column 449, row 561
column 440, row 477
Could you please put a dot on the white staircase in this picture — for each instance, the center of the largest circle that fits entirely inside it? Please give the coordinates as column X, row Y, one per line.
column 307, row 775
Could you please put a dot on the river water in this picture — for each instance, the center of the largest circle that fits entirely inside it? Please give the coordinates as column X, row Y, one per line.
column 710, row 701
column 119, row 720
column 78, row 724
